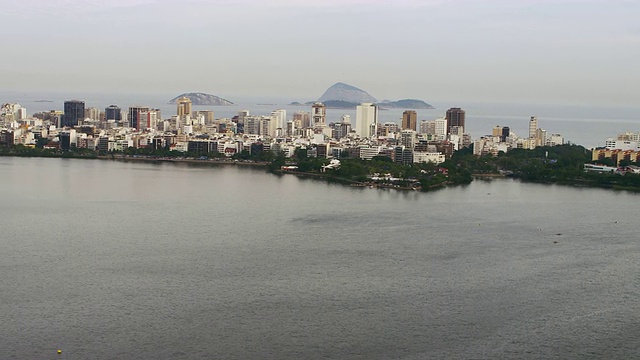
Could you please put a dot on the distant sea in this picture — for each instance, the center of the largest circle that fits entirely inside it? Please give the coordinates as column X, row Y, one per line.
column 589, row 125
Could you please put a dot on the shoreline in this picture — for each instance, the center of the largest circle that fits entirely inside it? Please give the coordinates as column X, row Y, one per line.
column 147, row 159
column 327, row 177
column 188, row 161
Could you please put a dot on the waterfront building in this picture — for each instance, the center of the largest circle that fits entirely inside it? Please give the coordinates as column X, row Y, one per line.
column 368, row 152
column 455, row 117
column 428, row 157
column 403, row 155
column 410, row 120
column 346, row 119
column 68, row 139
column 73, row 113
column 366, row 120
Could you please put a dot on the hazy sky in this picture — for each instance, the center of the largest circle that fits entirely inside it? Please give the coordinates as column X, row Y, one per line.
column 573, row 52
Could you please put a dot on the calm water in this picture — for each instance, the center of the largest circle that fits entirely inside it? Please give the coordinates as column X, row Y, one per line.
column 116, row 260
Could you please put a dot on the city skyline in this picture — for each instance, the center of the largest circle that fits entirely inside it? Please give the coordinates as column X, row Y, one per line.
column 499, row 51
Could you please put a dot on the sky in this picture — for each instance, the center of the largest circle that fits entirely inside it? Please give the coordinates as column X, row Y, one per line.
column 502, row 51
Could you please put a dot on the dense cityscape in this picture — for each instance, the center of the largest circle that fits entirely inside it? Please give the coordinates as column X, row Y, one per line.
column 199, row 132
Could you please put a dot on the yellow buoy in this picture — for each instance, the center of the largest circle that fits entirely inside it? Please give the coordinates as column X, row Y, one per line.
column 59, row 351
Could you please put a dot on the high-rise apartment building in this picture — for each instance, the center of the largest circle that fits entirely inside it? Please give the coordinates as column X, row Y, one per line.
column 318, row 114
column 113, row 112
column 440, row 128
column 183, row 106
column 207, row 116
column 73, row 112
column 366, row 119
column 533, row 127
column 387, row 129
column 279, row 117
column 148, row 119
column 92, row 113
column 455, row 117
column 409, row 120
column 341, row 130
column 134, row 116
column 408, row 138
column 501, row 132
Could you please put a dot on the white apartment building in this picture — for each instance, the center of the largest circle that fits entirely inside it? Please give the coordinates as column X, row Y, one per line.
column 425, row 157
column 366, row 119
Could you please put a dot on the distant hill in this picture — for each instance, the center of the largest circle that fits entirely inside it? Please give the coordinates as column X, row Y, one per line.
column 345, row 96
column 407, row 104
column 346, row 93
column 198, row 98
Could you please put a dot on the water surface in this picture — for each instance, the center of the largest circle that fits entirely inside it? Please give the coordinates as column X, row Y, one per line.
column 127, row 260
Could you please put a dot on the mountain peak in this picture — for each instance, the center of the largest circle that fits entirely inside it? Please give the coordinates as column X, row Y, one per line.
column 198, row 98
column 345, row 92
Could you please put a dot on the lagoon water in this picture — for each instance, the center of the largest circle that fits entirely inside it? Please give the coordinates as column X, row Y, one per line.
column 128, row 260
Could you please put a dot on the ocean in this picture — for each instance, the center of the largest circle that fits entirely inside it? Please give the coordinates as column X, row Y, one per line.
column 107, row 259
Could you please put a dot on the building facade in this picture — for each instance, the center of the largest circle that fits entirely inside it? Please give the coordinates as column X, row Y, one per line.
column 410, row 120
column 73, row 113
column 455, row 117
column 366, row 119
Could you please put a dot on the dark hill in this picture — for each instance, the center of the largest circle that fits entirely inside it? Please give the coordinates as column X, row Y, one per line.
column 202, row 99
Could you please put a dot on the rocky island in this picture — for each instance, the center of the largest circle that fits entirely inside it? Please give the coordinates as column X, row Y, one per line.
column 198, row 98
column 345, row 96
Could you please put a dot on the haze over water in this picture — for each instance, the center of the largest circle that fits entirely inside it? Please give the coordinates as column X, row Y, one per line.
column 124, row 260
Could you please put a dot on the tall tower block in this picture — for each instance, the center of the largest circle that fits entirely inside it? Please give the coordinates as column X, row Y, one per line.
column 455, row 117
column 319, row 114
column 366, row 119
column 409, row 120
column 533, row 127
column 73, row 112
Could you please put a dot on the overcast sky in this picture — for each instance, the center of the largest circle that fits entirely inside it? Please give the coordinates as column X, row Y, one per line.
column 572, row 51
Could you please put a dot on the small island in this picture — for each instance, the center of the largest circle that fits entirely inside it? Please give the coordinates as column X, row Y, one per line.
column 198, row 98
column 345, row 96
